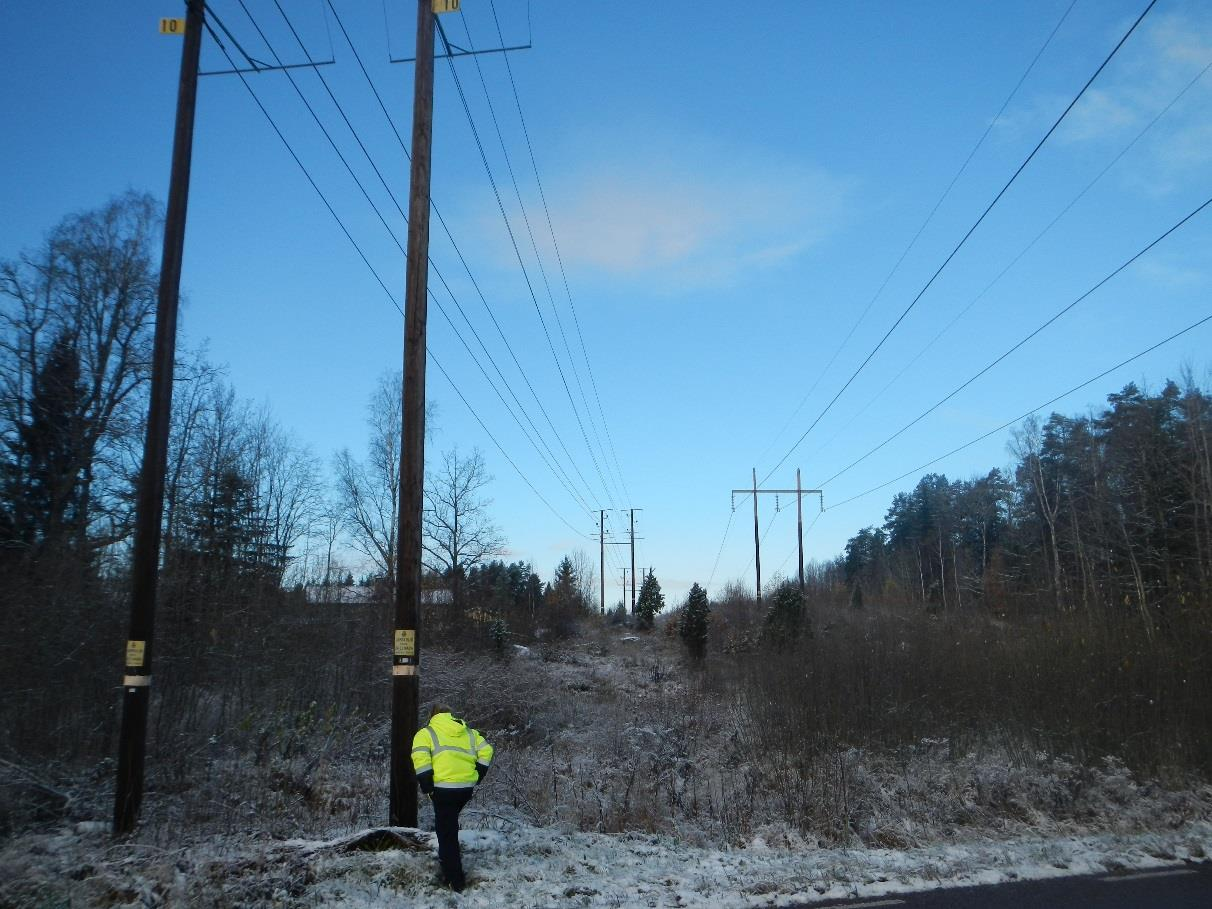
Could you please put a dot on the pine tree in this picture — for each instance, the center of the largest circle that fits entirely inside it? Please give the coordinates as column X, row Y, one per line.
column 651, row 601
column 693, row 623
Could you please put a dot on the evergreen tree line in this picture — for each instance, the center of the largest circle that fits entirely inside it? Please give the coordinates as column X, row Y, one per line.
column 1102, row 513
column 1060, row 605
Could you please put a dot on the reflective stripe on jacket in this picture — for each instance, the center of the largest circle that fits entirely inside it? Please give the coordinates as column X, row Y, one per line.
column 451, row 750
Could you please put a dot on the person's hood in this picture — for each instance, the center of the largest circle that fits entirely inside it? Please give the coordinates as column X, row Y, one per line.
column 448, row 725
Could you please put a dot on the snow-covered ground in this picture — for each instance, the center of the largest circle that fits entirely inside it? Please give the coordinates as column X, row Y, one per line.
column 541, row 867
column 621, row 780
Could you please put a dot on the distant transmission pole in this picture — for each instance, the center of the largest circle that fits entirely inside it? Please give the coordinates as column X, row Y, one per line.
column 629, row 542
column 799, row 493
column 633, row 511
column 602, row 555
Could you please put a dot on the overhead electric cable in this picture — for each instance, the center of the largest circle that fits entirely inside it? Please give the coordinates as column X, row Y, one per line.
column 720, row 551
column 926, row 223
column 467, row 268
column 500, row 447
column 553, row 463
column 537, row 255
column 761, row 540
column 795, row 550
column 964, row 239
column 556, row 247
column 1021, row 417
column 291, row 150
column 1016, row 346
column 518, row 253
column 893, row 381
column 361, row 254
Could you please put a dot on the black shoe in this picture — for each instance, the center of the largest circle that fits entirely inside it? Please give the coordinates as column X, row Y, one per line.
column 458, row 883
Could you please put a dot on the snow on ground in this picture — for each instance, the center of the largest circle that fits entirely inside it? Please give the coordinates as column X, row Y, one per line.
column 541, row 867
column 586, row 742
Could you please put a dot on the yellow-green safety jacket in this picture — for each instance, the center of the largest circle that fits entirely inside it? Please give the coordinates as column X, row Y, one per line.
column 449, row 754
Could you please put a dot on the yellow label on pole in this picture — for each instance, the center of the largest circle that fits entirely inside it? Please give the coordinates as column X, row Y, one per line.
column 175, row 26
column 445, row 6
column 406, row 643
column 134, row 653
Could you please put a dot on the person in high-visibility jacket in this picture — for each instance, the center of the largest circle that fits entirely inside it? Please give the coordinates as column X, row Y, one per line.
column 450, row 759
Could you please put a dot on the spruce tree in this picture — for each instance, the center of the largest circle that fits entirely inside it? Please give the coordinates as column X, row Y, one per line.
column 651, row 602
column 693, row 623
column 784, row 618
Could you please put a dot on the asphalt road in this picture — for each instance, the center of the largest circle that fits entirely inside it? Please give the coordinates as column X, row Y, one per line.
column 1181, row 887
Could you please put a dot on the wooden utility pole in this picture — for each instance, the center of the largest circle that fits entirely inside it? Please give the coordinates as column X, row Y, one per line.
column 633, row 561
column 149, row 508
column 406, row 644
column 799, row 492
column 602, row 555
column 799, row 525
column 757, row 540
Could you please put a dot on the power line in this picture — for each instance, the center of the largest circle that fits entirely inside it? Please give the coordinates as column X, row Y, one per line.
column 765, row 533
column 534, row 245
column 391, row 297
column 807, row 530
column 475, row 284
column 1021, row 417
column 964, row 239
column 383, row 220
column 500, row 447
column 926, row 223
column 1019, row 344
column 720, row 551
column 557, row 469
column 521, row 263
column 893, row 381
column 559, row 258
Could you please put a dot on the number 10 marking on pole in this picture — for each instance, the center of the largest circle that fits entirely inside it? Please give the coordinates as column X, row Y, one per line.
column 445, row 6
column 177, row 26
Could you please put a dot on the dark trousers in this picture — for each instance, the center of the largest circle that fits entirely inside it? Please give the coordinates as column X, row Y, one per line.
column 447, row 803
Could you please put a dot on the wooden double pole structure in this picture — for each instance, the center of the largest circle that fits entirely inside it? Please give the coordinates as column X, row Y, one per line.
column 799, row 492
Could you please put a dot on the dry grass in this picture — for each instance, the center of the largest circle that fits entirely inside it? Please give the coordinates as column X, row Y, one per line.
column 878, row 728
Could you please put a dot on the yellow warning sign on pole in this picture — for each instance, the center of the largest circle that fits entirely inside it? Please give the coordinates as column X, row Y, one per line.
column 173, row 26
column 135, row 652
column 405, row 643
column 445, row 6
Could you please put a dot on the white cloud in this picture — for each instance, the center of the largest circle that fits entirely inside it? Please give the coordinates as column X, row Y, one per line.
column 1172, row 51
column 1171, row 271
column 676, row 211
column 1099, row 114
column 710, row 226
column 1148, row 73
column 1180, row 41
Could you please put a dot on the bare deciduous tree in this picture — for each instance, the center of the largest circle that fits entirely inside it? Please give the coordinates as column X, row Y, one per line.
column 92, row 285
column 368, row 493
column 459, row 534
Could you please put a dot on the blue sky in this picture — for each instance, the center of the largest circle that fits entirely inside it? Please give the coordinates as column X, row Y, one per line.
column 729, row 192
